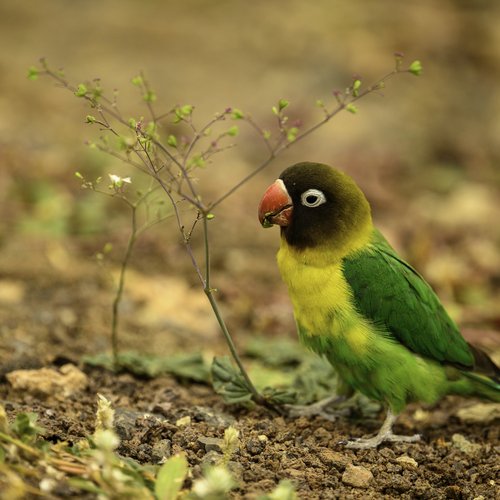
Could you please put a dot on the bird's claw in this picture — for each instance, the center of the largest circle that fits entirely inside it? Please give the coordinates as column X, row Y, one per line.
column 373, row 442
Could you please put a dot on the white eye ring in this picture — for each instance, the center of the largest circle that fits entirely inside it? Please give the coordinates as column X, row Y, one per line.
column 312, row 198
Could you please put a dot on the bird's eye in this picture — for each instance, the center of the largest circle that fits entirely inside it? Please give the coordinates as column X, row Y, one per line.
column 312, row 198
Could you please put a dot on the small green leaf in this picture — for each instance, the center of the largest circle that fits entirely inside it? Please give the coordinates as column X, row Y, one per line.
column 320, row 103
column 280, row 396
column 186, row 110
column 172, row 141
column 351, row 108
column 275, row 110
column 137, row 81
column 237, row 114
column 132, row 123
column 355, row 87
column 81, row 90
column 90, row 119
column 228, row 381
column 78, row 175
column 145, row 142
column 416, row 68
column 282, row 104
column 25, row 426
column 277, row 353
column 209, row 216
column 266, row 134
column 233, row 131
column 33, row 73
column 170, row 477
column 315, row 379
column 291, row 134
column 182, row 112
column 184, row 366
column 149, row 96
column 197, row 161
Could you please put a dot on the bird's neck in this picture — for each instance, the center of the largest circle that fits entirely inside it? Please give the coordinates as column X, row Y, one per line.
column 331, row 251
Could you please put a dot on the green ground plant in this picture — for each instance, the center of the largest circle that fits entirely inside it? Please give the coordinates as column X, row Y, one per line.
column 32, row 465
column 170, row 160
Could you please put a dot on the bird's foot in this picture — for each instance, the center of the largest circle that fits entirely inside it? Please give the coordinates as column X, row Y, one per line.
column 320, row 408
column 373, row 442
column 385, row 434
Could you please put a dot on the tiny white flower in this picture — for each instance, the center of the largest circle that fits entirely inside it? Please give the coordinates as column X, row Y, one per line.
column 114, row 178
column 106, row 440
column 117, row 182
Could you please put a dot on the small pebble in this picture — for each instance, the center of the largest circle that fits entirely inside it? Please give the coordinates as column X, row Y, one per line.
column 161, row 450
column 212, row 458
column 211, row 443
column 406, row 460
column 49, row 382
column 330, row 457
column 183, row 421
column 255, row 446
column 421, row 415
column 479, row 412
column 465, row 445
column 357, row 476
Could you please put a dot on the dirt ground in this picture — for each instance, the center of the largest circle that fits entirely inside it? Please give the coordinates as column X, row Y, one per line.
column 55, row 317
column 306, row 451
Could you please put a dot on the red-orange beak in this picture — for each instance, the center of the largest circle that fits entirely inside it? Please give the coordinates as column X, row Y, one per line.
column 276, row 206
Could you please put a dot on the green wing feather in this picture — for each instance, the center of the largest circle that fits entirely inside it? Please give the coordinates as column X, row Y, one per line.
column 391, row 294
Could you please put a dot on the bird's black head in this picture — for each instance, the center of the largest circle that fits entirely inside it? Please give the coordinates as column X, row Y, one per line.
column 316, row 205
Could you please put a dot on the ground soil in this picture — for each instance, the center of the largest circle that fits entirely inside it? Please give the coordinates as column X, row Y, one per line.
column 60, row 316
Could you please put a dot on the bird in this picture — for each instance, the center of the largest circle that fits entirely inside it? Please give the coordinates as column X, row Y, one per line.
column 361, row 306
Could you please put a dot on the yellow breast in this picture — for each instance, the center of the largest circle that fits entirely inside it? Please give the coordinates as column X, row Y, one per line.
column 321, row 298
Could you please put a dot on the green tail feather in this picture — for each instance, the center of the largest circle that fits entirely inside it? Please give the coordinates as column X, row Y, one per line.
column 484, row 386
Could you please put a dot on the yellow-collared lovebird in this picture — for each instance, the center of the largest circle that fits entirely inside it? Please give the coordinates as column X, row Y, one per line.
column 357, row 303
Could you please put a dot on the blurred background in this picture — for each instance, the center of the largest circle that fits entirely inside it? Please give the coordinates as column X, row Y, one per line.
column 426, row 153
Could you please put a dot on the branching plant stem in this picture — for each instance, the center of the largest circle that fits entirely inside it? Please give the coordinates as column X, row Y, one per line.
column 209, row 292
column 274, row 152
column 178, row 168
column 121, row 283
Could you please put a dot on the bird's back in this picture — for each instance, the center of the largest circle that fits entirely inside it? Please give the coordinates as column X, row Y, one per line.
column 392, row 295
